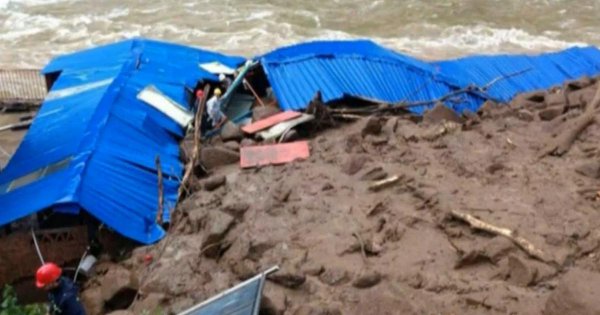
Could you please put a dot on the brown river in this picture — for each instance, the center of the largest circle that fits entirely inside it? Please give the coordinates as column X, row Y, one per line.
column 32, row 31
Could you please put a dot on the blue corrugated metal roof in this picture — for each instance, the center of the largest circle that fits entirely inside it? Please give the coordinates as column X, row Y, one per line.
column 106, row 138
column 360, row 69
column 538, row 71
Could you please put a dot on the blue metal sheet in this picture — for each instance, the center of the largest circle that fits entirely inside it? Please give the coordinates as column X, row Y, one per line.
column 538, row 71
column 359, row 69
column 238, row 302
column 110, row 136
column 243, row 299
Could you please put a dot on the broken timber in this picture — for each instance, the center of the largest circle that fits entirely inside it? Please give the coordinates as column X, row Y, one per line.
column 379, row 185
column 196, row 150
column 523, row 243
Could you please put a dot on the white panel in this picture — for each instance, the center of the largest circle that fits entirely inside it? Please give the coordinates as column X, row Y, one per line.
column 167, row 106
column 56, row 94
column 216, row 68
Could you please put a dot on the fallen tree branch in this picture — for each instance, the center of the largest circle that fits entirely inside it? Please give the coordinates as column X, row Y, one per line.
column 562, row 143
column 523, row 243
column 196, row 150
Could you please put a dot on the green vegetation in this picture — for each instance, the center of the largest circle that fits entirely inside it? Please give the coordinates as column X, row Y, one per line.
column 10, row 305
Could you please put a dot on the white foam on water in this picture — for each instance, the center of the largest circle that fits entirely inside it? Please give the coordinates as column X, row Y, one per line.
column 462, row 40
column 250, row 29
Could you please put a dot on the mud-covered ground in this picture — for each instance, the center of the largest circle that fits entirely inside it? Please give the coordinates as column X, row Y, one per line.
column 344, row 249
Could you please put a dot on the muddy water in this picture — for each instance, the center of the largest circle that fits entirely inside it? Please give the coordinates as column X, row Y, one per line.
column 31, row 31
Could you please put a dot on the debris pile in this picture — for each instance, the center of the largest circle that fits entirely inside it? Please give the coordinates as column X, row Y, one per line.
column 492, row 212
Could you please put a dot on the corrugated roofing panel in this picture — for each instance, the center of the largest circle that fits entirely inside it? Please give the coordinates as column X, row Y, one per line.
column 111, row 137
column 360, row 69
column 536, row 71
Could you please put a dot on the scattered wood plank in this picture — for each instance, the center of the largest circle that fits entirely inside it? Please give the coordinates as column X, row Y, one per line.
column 282, row 153
column 384, row 183
column 270, row 121
column 523, row 243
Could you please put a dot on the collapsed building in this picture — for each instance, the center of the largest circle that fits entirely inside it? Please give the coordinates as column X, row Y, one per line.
column 106, row 138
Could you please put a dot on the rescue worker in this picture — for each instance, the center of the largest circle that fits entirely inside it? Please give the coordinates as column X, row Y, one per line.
column 62, row 292
column 213, row 107
column 225, row 81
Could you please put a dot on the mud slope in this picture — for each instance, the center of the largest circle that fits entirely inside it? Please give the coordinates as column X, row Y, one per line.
column 345, row 249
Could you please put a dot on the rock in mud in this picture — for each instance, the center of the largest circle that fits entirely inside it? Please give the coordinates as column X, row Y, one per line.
column 589, row 169
column 335, row 277
column 282, row 193
column 576, row 294
column 116, row 280
column 214, row 182
column 212, row 157
column 289, row 280
column 535, row 99
column 243, row 269
column 497, row 248
column 232, row 145
column 525, row 115
column 377, row 140
column 550, row 113
column 367, row 280
column 231, row 132
column 556, row 99
column 219, row 224
column 262, row 112
column 312, row 269
column 317, row 310
column 372, row 126
column 488, row 108
column 236, row 209
column 384, row 303
column 274, row 302
column 150, row 303
column 440, row 113
column 520, row 272
column 92, row 301
column 354, row 163
column 390, row 126
column 186, row 149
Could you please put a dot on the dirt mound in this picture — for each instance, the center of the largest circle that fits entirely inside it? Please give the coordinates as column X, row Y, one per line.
column 576, row 295
column 344, row 248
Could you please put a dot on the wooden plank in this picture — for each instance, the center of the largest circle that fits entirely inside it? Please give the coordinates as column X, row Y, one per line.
column 253, row 156
column 270, row 121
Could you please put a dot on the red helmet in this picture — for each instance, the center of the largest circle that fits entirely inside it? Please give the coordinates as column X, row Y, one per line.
column 199, row 94
column 46, row 274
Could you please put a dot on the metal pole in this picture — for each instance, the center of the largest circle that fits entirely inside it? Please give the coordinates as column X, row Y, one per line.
column 37, row 247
